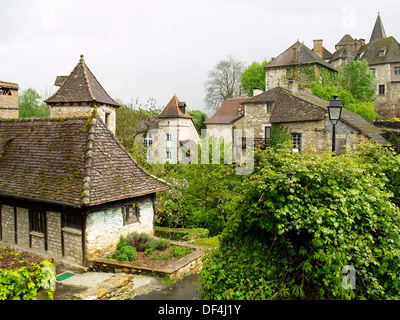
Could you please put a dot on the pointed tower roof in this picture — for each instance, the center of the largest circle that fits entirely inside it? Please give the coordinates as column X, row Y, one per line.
column 379, row 31
column 175, row 109
column 81, row 86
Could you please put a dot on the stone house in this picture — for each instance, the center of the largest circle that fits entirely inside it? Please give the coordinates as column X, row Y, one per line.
column 79, row 94
column 171, row 136
column 304, row 115
column 300, row 63
column 8, row 100
column 69, row 189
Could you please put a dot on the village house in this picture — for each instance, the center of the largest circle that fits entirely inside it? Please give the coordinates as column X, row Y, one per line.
column 300, row 63
column 171, row 136
column 68, row 188
column 304, row 115
column 79, row 94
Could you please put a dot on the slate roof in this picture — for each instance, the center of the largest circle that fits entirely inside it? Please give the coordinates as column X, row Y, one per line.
column 173, row 109
column 227, row 112
column 379, row 31
column 74, row 161
column 304, row 55
column 81, row 86
column 370, row 51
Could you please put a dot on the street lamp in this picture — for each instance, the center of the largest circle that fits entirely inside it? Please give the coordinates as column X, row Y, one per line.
column 334, row 110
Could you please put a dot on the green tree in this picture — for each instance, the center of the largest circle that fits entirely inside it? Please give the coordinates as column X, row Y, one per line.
column 199, row 118
column 30, row 105
column 302, row 218
column 356, row 78
column 253, row 77
column 363, row 108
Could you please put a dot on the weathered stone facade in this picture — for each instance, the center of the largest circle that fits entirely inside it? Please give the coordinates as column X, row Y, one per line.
column 8, row 100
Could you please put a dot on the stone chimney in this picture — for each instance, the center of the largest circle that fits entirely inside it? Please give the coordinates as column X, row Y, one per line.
column 9, row 100
column 293, row 85
column 257, row 91
column 318, row 50
column 294, row 57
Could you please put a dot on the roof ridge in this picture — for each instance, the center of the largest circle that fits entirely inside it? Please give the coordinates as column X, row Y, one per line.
column 84, row 66
column 89, row 155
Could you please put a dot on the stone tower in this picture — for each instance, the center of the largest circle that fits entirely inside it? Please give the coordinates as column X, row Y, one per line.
column 79, row 94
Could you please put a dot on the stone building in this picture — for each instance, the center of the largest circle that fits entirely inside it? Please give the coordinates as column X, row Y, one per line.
column 79, row 94
column 8, row 100
column 300, row 63
column 304, row 115
column 171, row 136
column 69, row 189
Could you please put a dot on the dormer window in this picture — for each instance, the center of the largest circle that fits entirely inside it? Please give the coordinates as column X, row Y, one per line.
column 382, row 52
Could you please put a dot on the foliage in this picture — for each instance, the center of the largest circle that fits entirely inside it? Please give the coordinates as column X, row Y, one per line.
column 24, row 283
column 253, row 77
column 30, row 105
column 306, row 74
column 363, row 108
column 356, row 78
column 300, row 219
column 180, row 251
column 279, row 135
column 199, row 118
column 125, row 253
column 223, row 82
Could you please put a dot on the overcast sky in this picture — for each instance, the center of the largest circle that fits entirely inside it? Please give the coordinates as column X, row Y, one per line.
column 158, row 48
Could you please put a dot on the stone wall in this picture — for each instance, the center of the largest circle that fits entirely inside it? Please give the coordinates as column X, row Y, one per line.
column 9, row 105
column 104, row 228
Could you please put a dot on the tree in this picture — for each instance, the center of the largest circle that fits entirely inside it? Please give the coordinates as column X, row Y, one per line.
column 30, row 105
column 356, row 78
column 199, row 118
column 253, row 77
column 223, row 82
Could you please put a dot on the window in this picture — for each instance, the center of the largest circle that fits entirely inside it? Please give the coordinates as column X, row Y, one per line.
column 107, row 118
column 296, row 142
column 147, row 140
column 169, row 156
column 381, row 89
column 169, row 140
column 267, row 133
column 5, row 92
column 131, row 213
column 396, row 70
column 37, row 220
column 73, row 220
column 382, row 52
column 240, row 112
column 373, row 71
column 270, row 105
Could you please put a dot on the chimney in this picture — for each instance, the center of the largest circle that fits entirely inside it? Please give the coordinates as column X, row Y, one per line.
column 257, row 91
column 293, row 85
column 318, row 50
column 294, row 58
column 9, row 100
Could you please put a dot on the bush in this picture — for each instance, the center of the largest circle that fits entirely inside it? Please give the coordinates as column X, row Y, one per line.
column 179, row 252
column 125, row 253
column 301, row 219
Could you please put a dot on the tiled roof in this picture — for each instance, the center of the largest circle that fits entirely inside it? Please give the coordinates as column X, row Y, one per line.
column 81, row 86
column 74, row 161
column 266, row 96
column 371, row 51
column 303, row 106
column 175, row 109
column 227, row 112
column 8, row 85
column 297, row 54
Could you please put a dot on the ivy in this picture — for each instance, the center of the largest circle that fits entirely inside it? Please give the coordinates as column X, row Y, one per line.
column 301, row 218
column 25, row 283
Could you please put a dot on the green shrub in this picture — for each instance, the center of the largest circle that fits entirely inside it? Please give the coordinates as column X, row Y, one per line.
column 301, row 219
column 125, row 253
column 179, row 251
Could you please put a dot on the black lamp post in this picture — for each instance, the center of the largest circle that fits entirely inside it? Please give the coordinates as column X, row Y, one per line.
column 335, row 110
